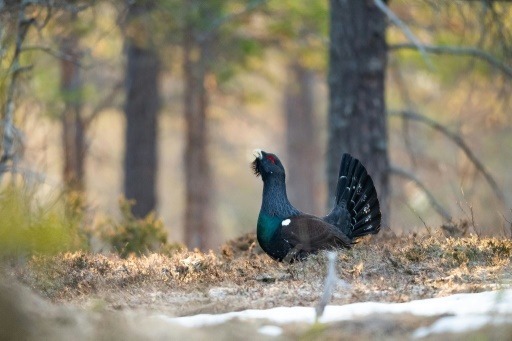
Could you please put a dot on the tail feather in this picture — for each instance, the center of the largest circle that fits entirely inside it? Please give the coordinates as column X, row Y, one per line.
column 366, row 196
column 355, row 195
column 367, row 192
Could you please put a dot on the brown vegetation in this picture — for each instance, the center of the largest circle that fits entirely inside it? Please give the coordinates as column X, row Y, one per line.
column 241, row 276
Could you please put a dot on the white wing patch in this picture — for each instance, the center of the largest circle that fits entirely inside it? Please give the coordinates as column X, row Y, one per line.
column 286, row 222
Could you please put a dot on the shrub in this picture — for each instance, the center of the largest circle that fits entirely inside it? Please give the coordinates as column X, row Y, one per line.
column 131, row 235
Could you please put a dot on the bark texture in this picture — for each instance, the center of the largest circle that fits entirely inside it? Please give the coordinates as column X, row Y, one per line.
column 141, row 109
column 301, row 138
column 357, row 120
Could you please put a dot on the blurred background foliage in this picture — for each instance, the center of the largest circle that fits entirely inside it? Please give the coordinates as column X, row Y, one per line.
column 241, row 55
column 28, row 226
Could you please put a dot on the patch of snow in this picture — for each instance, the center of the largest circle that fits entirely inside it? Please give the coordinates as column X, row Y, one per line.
column 460, row 304
column 277, row 315
column 467, row 307
column 458, row 324
column 270, row 330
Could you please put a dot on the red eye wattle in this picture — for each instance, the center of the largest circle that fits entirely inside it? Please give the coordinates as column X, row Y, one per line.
column 271, row 158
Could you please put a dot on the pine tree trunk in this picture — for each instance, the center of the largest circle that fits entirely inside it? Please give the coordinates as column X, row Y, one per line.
column 357, row 120
column 141, row 110
column 301, row 138
column 73, row 132
column 199, row 225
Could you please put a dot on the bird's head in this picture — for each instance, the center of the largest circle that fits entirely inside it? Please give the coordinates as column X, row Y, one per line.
column 267, row 165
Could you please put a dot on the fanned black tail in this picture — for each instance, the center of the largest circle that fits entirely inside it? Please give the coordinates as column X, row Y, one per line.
column 357, row 209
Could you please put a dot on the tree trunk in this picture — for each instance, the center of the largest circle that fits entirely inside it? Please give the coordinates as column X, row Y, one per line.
column 301, row 138
column 141, row 109
column 357, row 120
column 73, row 132
column 199, row 225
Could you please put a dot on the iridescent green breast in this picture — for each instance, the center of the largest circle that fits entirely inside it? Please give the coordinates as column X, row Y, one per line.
column 269, row 236
column 267, row 226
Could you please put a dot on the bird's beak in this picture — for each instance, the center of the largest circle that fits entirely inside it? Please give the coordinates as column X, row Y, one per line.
column 257, row 153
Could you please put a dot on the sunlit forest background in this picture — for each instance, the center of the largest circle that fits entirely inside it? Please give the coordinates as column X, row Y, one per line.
column 209, row 81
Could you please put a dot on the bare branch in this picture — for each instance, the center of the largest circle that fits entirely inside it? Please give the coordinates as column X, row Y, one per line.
column 458, row 51
column 459, row 141
column 431, row 199
column 396, row 20
column 16, row 69
column 50, row 51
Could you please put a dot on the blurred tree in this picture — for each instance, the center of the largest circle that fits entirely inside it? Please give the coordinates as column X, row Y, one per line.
column 301, row 137
column 198, row 60
column 357, row 116
column 299, row 30
column 213, row 51
column 141, row 107
column 71, row 90
column 199, row 225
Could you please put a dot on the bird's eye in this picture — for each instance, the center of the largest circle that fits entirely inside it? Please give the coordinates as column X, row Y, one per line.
column 271, row 158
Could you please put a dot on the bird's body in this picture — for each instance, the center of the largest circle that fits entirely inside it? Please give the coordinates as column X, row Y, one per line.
column 287, row 233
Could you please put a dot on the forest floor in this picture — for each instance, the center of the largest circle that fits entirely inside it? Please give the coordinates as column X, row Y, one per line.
column 78, row 293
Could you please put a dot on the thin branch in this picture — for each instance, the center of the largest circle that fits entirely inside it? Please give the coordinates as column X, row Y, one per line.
column 396, row 20
column 478, row 233
column 459, row 141
column 16, row 69
column 50, row 51
column 431, row 199
column 458, row 51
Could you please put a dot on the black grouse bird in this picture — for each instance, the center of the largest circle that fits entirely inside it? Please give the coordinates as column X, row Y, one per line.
column 286, row 233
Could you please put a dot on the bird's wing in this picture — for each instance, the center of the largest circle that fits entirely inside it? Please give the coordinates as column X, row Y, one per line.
column 312, row 233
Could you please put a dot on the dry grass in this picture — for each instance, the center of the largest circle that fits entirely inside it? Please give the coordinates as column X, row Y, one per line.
column 240, row 276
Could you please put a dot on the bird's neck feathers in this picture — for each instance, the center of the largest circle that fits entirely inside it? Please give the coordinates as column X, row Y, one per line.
column 275, row 201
